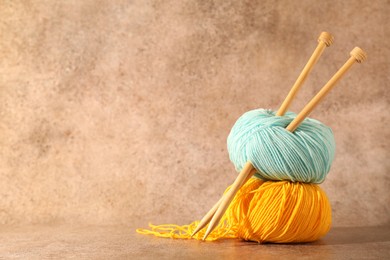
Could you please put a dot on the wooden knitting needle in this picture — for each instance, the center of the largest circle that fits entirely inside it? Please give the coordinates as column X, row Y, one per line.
column 357, row 55
column 325, row 39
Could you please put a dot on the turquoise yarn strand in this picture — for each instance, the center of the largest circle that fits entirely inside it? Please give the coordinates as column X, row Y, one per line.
column 260, row 137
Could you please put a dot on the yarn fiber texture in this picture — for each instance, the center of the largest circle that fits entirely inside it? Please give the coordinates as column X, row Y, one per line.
column 260, row 137
column 265, row 212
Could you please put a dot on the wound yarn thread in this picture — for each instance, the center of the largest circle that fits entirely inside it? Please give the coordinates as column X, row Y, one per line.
column 260, row 137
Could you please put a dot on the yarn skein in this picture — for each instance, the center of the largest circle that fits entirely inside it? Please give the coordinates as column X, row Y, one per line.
column 265, row 212
column 260, row 137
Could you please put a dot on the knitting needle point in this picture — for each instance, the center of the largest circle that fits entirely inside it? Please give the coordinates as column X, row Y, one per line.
column 206, row 219
column 228, row 197
column 357, row 55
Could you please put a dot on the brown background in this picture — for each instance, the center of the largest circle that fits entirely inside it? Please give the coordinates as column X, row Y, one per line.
column 117, row 112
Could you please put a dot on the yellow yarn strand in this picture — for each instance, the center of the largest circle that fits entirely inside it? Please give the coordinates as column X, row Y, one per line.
column 276, row 212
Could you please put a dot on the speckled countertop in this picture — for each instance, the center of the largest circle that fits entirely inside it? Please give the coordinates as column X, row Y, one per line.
column 113, row 242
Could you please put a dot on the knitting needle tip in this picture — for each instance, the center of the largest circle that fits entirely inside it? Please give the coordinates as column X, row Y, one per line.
column 245, row 174
column 198, row 228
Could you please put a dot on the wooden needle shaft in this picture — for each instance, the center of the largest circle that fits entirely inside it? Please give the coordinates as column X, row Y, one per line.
column 357, row 55
column 206, row 219
column 325, row 39
column 244, row 174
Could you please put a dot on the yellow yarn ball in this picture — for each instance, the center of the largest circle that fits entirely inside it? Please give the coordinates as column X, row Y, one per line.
column 265, row 211
column 280, row 212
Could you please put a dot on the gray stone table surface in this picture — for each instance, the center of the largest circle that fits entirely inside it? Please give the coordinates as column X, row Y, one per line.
column 122, row 242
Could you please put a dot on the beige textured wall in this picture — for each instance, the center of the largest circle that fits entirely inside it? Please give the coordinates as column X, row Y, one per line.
column 118, row 111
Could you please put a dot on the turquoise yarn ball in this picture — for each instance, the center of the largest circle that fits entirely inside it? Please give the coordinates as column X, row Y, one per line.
column 259, row 136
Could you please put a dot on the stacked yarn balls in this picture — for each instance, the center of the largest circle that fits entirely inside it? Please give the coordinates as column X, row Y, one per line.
column 283, row 202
